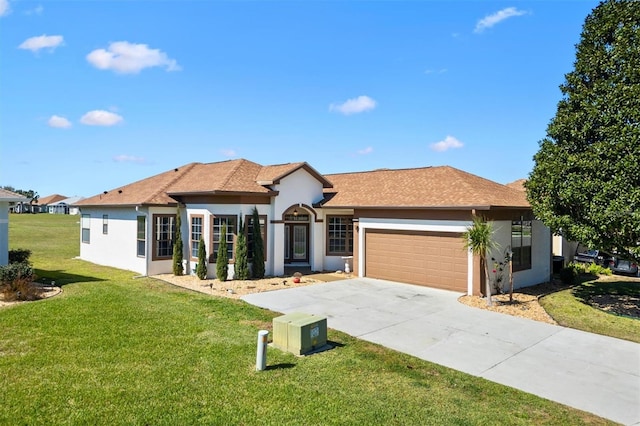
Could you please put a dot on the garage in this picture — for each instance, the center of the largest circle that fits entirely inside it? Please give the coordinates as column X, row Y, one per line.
column 431, row 259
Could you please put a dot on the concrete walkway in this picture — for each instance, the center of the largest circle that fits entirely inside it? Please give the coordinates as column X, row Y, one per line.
column 590, row 372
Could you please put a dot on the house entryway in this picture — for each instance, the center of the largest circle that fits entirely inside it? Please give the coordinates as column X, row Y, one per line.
column 296, row 243
column 296, row 238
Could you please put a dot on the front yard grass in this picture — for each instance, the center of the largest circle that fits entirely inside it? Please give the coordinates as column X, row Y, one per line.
column 572, row 307
column 112, row 349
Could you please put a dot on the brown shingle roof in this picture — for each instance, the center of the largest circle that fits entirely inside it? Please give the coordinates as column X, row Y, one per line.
column 435, row 187
column 421, row 187
column 225, row 177
column 517, row 184
column 273, row 174
column 49, row 199
column 11, row 196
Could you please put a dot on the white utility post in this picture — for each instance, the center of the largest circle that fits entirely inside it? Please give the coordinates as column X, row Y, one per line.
column 261, row 355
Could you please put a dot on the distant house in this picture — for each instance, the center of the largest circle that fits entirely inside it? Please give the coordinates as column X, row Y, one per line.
column 44, row 202
column 6, row 198
column 65, row 206
column 403, row 225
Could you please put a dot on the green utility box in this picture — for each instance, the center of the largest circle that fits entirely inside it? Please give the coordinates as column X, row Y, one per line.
column 299, row 333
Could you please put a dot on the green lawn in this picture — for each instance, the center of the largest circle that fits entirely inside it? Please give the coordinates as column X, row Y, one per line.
column 571, row 307
column 112, row 349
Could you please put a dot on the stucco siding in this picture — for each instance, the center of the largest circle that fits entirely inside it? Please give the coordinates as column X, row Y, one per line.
column 117, row 248
column 209, row 210
column 540, row 253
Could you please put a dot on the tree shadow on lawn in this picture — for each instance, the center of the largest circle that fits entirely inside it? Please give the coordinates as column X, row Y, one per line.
column 60, row 278
column 620, row 297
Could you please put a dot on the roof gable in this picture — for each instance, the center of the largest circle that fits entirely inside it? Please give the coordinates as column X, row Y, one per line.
column 270, row 175
column 51, row 199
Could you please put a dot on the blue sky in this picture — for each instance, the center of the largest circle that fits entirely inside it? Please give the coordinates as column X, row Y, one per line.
column 98, row 94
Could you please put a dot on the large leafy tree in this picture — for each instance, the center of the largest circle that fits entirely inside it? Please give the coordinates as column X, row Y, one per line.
column 585, row 184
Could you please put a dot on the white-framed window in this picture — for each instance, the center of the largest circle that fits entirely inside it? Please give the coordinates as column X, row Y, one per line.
column 340, row 235
column 141, row 236
column 163, row 236
column 86, row 228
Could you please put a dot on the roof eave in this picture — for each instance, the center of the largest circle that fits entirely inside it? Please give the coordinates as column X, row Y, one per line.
column 223, row 193
column 448, row 207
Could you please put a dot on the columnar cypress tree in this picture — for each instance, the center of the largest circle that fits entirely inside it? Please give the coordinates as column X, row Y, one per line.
column 222, row 261
column 242, row 264
column 177, row 247
column 201, row 269
column 258, row 246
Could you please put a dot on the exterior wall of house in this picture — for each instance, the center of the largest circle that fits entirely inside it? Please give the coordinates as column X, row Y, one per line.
column 118, row 247
column 298, row 189
column 333, row 263
column 540, row 253
column 4, row 233
column 206, row 211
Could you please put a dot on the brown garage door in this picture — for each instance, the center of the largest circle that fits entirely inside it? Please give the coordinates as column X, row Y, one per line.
column 429, row 259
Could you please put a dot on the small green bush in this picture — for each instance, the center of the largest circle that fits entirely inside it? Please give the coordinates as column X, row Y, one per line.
column 568, row 274
column 595, row 269
column 15, row 271
column 19, row 255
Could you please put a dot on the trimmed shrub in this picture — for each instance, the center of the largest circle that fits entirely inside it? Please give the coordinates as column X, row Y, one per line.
column 568, row 275
column 201, row 267
column 257, row 264
column 222, row 261
column 242, row 263
column 19, row 255
column 15, row 271
column 178, row 248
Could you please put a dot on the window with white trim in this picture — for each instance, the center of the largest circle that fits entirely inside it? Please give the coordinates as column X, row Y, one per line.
column 86, row 228
column 217, row 223
column 163, row 235
column 340, row 235
column 141, row 237
column 521, row 236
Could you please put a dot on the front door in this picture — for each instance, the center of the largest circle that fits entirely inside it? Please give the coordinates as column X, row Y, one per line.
column 296, row 242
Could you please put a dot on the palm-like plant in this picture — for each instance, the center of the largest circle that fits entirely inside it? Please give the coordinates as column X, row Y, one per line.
column 478, row 238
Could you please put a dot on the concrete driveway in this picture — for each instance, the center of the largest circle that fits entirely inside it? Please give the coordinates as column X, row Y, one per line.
column 593, row 373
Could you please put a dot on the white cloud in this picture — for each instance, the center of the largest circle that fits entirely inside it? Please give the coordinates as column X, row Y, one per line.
column 129, row 58
column 100, row 118
column 495, row 18
column 367, row 150
column 4, row 7
column 35, row 11
column 122, row 158
column 354, row 106
column 41, row 42
column 448, row 143
column 228, row 152
column 432, row 71
column 59, row 122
